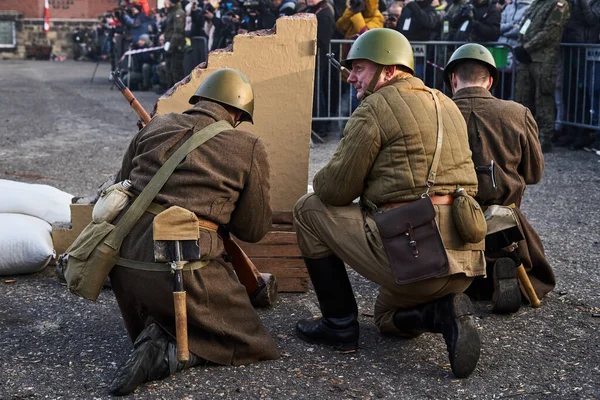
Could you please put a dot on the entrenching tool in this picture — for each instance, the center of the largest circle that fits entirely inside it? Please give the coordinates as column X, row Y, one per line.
column 261, row 287
column 176, row 233
column 490, row 170
column 504, row 233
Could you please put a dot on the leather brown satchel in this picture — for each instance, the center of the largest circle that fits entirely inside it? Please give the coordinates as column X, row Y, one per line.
column 412, row 242
column 409, row 233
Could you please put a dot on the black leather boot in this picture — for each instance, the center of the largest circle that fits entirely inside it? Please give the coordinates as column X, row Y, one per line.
column 154, row 357
column 338, row 327
column 452, row 317
column 507, row 295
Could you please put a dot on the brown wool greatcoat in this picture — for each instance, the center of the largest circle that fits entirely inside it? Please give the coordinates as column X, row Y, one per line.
column 505, row 131
column 226, row 181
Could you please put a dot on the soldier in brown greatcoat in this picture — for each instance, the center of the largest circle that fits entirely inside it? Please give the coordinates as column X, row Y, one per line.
column 224, row 181
column 505, row 132
column 384, row 157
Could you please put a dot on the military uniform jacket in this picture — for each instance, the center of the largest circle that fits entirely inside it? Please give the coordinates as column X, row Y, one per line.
column 226, row 181
column 386, row 153
column 505, row 131
column 542, row 29
column 175, row 28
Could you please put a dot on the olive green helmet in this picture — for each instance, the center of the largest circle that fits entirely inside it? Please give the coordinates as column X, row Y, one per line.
column 472, row 51
column 228, row 86
column 382, row 46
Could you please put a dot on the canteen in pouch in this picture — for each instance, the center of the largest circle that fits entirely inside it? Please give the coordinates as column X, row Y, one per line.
column 468, row 217
column 111, row 202
column 412, row 242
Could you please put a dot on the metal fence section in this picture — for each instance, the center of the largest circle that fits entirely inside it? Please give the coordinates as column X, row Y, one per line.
column 335, row 99
column 578, row 86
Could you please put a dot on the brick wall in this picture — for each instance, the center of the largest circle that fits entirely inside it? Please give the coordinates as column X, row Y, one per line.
column 71, row 9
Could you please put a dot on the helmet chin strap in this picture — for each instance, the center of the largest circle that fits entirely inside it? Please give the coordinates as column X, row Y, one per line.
column 370, row 89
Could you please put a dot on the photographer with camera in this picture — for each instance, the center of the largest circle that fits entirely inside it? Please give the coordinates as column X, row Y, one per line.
column 359, row 17
column 262, row 14
column 477, row 21
column 137, row 22
column 393, row 15
column 418, row 20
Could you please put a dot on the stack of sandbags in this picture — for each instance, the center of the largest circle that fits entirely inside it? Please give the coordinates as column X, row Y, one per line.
column 26, row 214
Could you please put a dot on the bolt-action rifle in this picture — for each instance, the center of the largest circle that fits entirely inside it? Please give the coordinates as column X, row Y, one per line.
column 336, row 64
column 137, row 107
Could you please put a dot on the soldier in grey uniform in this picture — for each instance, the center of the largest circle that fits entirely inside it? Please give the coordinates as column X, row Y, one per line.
column 537, row 53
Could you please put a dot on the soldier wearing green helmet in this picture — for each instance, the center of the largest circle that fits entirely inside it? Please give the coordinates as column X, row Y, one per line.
column 504, row 132
column 223, row 181
column 386, row 158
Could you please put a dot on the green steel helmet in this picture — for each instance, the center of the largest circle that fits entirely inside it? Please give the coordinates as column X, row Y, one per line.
column 228, row 86
column 382, row 46
column 472, row 51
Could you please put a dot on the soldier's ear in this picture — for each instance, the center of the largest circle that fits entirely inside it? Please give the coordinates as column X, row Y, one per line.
column 490, row 82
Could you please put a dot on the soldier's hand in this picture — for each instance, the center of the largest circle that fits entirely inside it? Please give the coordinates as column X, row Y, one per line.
column 522, row 55
column 467, row 11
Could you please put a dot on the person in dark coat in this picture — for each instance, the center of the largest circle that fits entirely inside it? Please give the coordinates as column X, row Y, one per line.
column 225, row 181
column 478, row 21
column 505, row 132
column 325, row 29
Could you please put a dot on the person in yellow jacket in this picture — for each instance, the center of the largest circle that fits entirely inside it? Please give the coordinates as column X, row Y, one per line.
column 359, row 17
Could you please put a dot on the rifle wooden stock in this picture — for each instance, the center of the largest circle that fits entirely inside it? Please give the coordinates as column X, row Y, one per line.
column 133, row 102
column 245, row 269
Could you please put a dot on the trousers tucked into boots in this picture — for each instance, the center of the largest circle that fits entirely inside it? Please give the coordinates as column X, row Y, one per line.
column 338, row 327
column 154, row 357
column 452, row 317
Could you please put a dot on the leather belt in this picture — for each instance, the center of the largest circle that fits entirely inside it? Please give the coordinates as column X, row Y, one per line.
column 445, row 200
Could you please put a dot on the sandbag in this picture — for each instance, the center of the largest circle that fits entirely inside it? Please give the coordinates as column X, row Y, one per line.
column 25, row 244
column 41, row 201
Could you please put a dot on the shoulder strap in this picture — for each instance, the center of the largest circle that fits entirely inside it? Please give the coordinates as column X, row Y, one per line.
column 437, row 153
column 133, row 214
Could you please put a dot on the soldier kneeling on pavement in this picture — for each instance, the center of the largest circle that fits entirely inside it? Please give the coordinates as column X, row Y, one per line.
column 503, row 137
column 225, row 181
column 404, row 147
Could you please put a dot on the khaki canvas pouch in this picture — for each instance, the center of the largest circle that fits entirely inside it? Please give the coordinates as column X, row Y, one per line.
column 412, row 242
column 468, row 218
column 90, row 259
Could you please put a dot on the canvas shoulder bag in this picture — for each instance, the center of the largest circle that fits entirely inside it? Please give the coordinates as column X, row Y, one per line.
column 409, row 233
column 90, row 258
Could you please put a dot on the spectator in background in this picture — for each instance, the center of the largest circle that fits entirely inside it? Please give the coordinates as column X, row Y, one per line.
column 511, row 20
column 141, row 69
column 583, row 27
column 325, row 30
column 174, row 41
column 453, row 8
column 478, row 21
column 418, row 20
column 138, row 23
column 359, row 17
column 159, row 69
column 393, row 15
column 538, row 54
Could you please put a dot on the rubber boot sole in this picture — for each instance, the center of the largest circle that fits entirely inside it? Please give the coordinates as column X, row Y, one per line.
column 507, row 295
column 468, row 344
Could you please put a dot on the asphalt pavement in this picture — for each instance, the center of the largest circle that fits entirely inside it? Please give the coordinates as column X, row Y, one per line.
column 59, row 128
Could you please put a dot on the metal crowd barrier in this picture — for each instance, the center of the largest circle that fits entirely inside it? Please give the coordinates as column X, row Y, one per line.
column 335, row 100
column 578, row 86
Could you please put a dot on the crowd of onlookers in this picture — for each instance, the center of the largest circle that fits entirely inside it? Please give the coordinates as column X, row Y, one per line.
column 215, row 22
